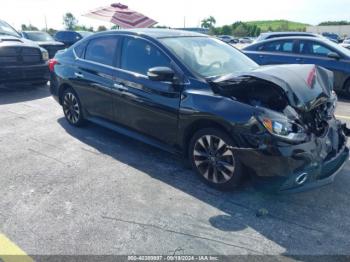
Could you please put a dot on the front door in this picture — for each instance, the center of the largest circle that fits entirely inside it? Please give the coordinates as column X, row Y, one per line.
column 147, row 106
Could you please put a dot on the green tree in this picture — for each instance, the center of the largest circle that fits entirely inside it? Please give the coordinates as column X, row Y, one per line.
column 208, row 22
column 226, row 30
column 101, row 28
column 29, row 27
column 69, row 21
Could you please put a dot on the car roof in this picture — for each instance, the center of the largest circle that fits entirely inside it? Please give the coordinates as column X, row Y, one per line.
column 34, row 31
column 293, row 38
column 154, row 33
column 287, row 33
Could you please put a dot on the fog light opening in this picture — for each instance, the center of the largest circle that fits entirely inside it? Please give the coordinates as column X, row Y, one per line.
column 301, row 179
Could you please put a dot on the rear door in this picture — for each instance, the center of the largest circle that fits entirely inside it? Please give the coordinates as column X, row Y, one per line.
column 316, row 52
column 94, row 76
column 146, row 106
column 274, row 52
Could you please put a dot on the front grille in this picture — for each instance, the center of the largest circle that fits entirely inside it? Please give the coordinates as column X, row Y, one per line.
column 19, row 74
column 52, row 49
column 10, row 56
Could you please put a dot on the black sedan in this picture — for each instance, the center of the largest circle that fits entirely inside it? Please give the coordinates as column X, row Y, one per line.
column 197, row 96
column 44, row 40
column 305, row 50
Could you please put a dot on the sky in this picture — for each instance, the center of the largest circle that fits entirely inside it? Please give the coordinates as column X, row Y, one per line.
column 176, row 13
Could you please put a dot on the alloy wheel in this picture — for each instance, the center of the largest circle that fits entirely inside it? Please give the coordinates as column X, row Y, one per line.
column 71, row 108
column 214, row 159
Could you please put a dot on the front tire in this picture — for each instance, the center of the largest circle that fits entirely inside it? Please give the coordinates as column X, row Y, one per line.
column 213, row 159
column 72, row 108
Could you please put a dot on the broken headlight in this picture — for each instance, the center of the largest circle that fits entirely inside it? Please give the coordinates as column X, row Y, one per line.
column 284, row 129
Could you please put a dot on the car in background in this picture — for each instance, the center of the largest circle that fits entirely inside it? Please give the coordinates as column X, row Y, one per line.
column 228, row 39
column 194, row 95
column 346, row 43
column 44, row 40
column 69, row 38
column 21, row 61
column 333, row 37
column 245, row 40
column 270, row 35
column 305, row 50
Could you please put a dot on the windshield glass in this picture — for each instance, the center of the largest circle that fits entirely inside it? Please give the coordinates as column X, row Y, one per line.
column 6, row 29
column 39, row 36
column 209, row 57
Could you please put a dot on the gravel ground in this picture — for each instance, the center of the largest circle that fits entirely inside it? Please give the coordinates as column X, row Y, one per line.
column 87, row 191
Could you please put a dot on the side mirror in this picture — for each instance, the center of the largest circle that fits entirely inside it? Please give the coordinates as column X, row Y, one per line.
column 333, row 55
column 161, row 74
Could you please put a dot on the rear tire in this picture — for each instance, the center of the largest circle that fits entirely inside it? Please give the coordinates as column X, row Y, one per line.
column 213, row 160
column 72, row 108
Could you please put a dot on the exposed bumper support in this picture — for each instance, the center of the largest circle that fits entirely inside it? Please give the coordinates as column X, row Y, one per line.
column 346, row 130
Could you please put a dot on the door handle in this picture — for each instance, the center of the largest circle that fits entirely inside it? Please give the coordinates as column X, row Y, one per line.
column 120, row 87
column 79, row 75
column 261, row 56
column 299, row 59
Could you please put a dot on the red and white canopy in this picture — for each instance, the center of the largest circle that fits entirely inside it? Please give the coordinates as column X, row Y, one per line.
column 122, row 16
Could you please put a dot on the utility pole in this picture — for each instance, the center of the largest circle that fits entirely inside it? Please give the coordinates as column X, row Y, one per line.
column 45, row 23
column 184, row 21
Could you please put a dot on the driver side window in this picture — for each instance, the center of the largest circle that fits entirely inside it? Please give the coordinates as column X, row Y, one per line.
column 139, row 56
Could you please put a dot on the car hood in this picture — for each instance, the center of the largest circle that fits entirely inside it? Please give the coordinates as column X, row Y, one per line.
column 305, row 86
column 7, row 40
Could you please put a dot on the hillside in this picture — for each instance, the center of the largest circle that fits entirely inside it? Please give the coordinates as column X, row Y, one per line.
column 279, row 25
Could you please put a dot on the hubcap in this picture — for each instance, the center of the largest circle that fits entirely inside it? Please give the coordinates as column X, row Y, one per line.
column 214, row 159
column 71, row 108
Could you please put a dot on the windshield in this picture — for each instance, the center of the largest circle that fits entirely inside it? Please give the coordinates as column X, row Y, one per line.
column 39, row 36
column 209, row 57
column 6, row 29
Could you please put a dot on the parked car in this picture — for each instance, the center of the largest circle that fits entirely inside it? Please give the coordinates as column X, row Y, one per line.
column 346, row 43
column 21, row 61
column 228, row 39
column 305, row 50
column 333, row 37
column 69, row 38
column 245, row 40
column 270, row 35
column 44, row 40
column 194, row 95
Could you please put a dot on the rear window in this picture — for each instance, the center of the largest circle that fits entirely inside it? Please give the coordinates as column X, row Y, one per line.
column 102, row 50
column 68, row 36
column 285, row 46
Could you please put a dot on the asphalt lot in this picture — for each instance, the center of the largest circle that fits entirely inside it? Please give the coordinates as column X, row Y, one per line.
column 91, row 191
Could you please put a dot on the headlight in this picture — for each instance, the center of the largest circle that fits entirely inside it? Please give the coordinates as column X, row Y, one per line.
column 44, row 54
column 284, row 129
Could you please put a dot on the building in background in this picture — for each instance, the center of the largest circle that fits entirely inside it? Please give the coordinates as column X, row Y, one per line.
column 341, row 30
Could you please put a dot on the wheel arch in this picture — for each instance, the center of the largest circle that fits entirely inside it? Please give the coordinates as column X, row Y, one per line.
column 61, row 90
column 200, row 124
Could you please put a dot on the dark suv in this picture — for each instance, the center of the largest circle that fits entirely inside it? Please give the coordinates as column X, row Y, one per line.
column 197, row 96
column 21, row 61
column 69, row 38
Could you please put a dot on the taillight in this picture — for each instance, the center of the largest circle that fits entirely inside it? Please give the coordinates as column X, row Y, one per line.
column 52, row 63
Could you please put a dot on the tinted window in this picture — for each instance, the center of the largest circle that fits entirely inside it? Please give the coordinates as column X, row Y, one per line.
column 67, row 36
column 79, row 50
column 278, row 46
column 139, row 56
column 102, row 50
column 314, row 48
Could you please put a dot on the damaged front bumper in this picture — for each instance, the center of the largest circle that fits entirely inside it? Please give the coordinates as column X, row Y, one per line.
column 286, row 168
